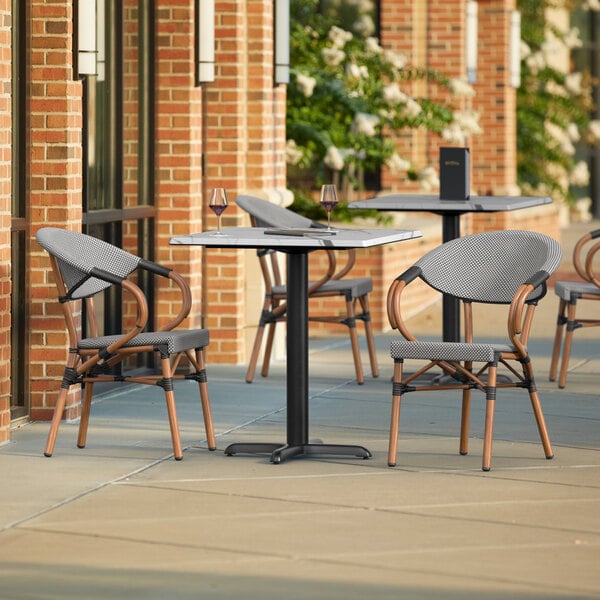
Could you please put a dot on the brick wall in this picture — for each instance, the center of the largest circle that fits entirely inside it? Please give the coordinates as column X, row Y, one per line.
column 234, row 128
column 5, row 215
column 55, row 190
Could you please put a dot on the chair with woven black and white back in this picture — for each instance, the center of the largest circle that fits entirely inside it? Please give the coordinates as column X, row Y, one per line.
column 497, row 267
column 84, row 267
column 354, row 292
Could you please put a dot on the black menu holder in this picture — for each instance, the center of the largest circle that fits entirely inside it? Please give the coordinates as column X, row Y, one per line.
column 454, row 174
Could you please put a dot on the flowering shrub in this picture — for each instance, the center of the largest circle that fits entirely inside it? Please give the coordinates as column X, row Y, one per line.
column 346, row 105
column 553, row 106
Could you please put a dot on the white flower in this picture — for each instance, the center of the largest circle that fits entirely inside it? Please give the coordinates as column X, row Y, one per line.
column 396, row 59
column 306, row 84
column 467, row 120
column 461, row 88
column 396, row 164
column 428, row 179
column 594, row 128
column 364, row 25
column 536, row 62
column 453, row 134
column 334, row 159
column 358, row 71
column 556, row 89
column 572, row 39
column 591, row 5
column 411, row 109
column 339, row 37
column 552, row 46
column 365, row 124
column 524, row 50
column 292, row 154
column 332, row 56
column 393, row 95
column 372, row 45
column 580, row 175
column 573, row 132
column 561, row 137
column 573, row 82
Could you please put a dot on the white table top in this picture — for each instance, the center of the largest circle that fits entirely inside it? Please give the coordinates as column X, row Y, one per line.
column 430, row 203
column 258, row 237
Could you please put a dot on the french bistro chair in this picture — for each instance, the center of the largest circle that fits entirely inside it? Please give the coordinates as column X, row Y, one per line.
column 85, row 266
column 496, row 267
column 354, row 292
column 569, row 292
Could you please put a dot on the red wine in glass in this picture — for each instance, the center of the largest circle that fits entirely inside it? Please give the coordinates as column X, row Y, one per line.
column 329, row 201
column 218, row 203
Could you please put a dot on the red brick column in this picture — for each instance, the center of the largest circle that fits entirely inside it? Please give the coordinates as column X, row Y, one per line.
column 55, row 189
column 495, row 151
column 178, row 150
column 5, row 215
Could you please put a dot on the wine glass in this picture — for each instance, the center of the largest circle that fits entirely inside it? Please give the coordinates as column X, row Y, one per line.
column 329, row 200
column 218, row 203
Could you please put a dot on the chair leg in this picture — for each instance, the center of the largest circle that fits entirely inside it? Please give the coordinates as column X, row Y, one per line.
column 88, row 390
column 561, row 320
column 537, row 412
column 395, row 417
column 351, row 324
column 268, row 349
column 204, row 399
column 171, row 410
column 490, row 396
column 56, row 419
column 566, row 354
column 255, row 352
column 364, row 302
column 465, row 422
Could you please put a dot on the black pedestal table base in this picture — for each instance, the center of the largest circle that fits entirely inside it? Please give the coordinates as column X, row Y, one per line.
column 281, row 452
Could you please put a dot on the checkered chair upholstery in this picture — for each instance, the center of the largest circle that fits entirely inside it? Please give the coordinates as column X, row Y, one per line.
column 496, row 267
column 569, row 293
column 354, row 292
column 84, row 267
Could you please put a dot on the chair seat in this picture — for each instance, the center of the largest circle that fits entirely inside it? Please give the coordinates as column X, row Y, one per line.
column 567, row 290
column 175, row 341
column 357, row 287
column 457, row 351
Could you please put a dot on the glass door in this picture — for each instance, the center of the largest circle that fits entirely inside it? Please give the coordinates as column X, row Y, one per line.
column 118, row 137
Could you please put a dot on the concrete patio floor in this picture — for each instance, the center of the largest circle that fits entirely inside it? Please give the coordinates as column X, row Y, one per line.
column 122, row 519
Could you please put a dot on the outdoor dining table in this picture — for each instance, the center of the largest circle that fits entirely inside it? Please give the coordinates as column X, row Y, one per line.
column 296, row 244
column 450, row 211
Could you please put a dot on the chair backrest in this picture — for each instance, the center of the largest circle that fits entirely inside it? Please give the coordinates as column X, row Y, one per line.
column 267, row 214
column 79, row 255
column 491, row 266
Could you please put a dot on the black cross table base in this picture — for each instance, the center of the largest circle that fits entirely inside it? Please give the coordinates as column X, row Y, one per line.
column 281, row 452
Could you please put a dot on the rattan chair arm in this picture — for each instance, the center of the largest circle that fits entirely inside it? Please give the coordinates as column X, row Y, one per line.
column 589, row 267
column 394, row 297
column 350, row 260
column 331, row 266
column 141, row 317
column 519, row 324
column 186, row 301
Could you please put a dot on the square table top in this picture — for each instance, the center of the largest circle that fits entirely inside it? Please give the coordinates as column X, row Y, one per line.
column 288, row 238
column 431, row 203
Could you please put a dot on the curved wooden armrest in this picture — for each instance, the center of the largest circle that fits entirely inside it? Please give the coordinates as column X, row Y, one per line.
column 350, row 260
column 589, row 268
column 331, row 266
column 519, row 322
column 186, row 301
column 394, row 306
column 141, row 317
